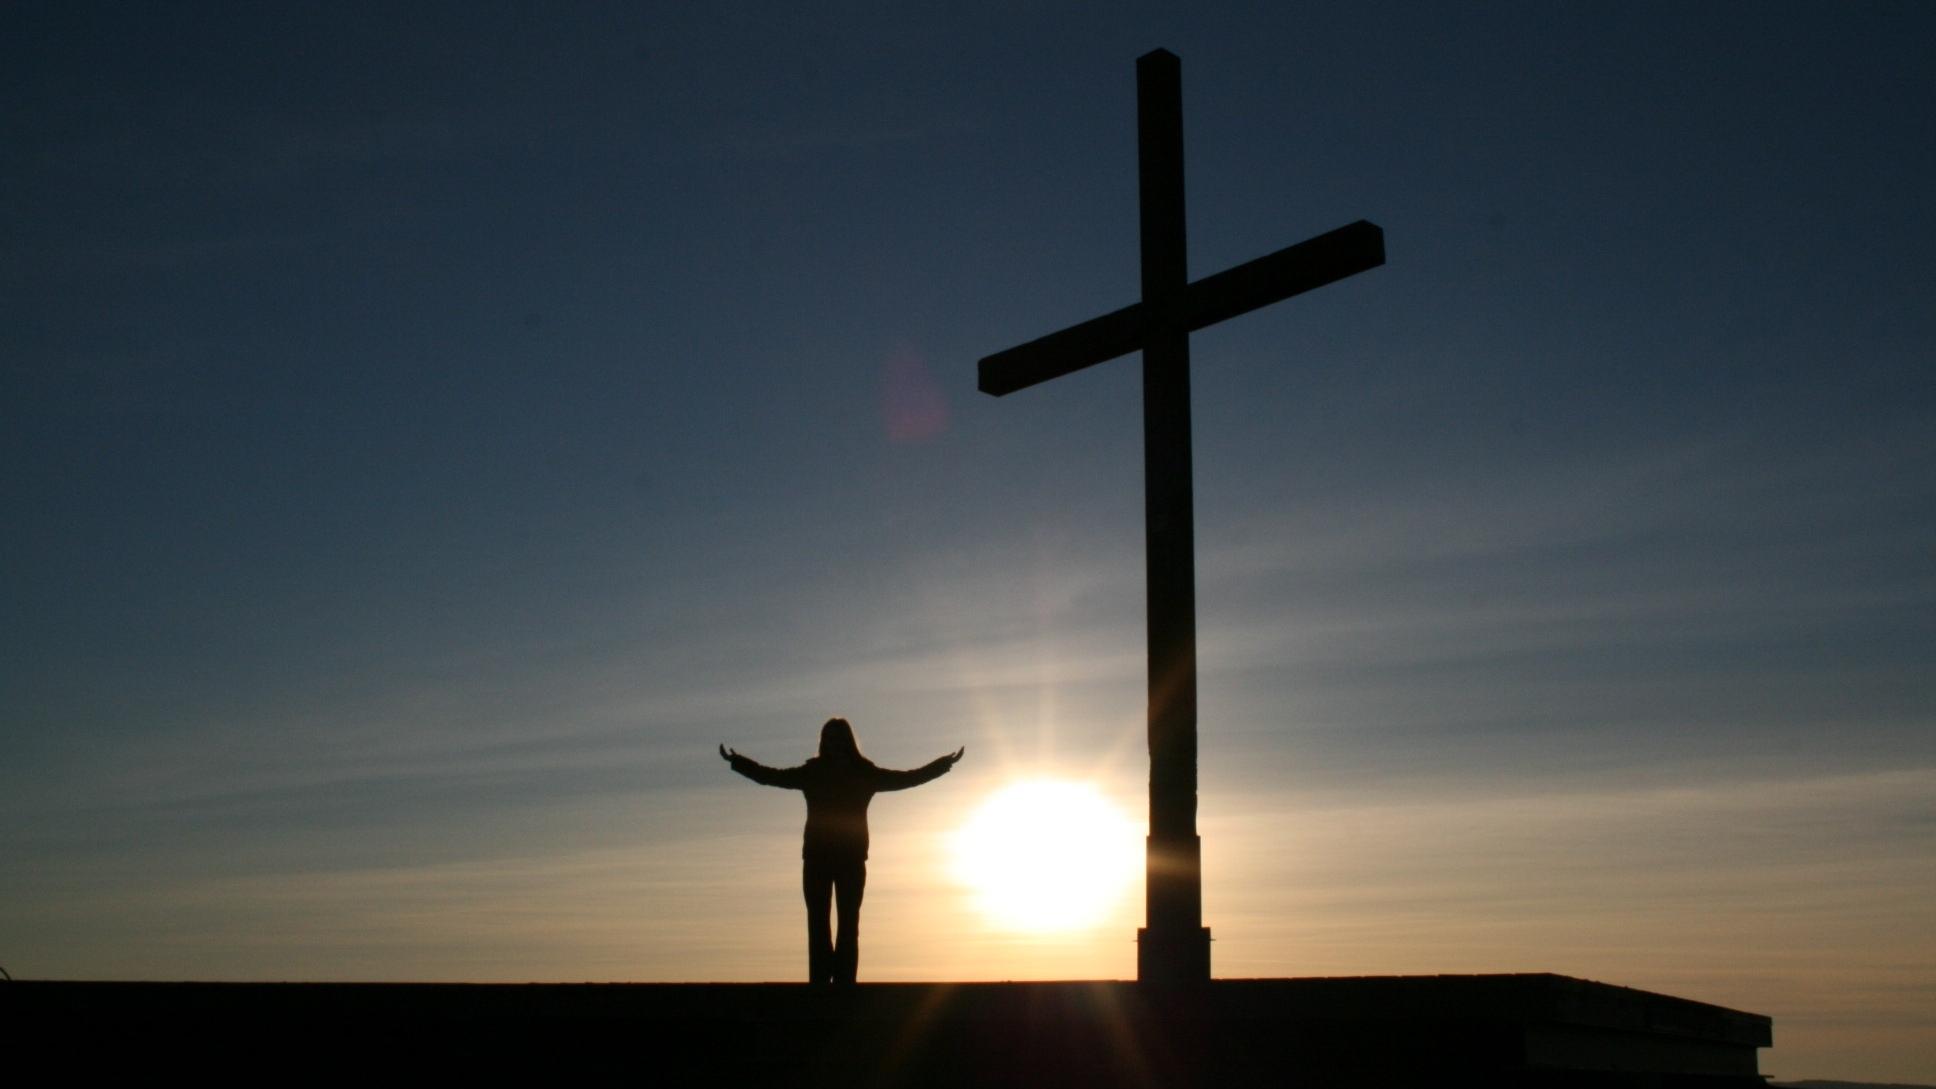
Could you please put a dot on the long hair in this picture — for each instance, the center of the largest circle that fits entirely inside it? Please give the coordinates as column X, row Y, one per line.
column 837, row 742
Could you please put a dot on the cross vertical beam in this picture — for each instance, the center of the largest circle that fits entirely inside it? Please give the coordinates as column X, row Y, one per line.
column 1174, row 945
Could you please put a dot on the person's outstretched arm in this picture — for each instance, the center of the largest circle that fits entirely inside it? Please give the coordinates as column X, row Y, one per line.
column 889, row 779
column 788, row 778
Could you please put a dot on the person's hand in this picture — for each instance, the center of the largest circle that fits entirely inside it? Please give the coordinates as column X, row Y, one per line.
column 954, row 757
column 729, row 755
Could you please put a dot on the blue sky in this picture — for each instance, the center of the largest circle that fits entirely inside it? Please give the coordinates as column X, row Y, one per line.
column 428, row 433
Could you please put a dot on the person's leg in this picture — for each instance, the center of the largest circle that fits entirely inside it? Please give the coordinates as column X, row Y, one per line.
column 817, row 883
column 849, row 885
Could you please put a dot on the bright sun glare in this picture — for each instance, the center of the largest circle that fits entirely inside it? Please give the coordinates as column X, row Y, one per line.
column 1047, row 855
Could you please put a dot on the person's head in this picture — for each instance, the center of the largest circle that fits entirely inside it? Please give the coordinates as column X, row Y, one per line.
column 837, row 740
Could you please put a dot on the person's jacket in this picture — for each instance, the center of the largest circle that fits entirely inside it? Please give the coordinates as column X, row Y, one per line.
column 837, row 793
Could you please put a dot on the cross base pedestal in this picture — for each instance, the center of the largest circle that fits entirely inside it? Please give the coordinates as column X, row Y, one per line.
column 1173, row 956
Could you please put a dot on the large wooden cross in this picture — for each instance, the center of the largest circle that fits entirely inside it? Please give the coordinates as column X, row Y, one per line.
column 1174, row 946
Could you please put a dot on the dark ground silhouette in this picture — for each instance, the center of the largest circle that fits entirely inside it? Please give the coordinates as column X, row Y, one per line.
column 1524, row 1032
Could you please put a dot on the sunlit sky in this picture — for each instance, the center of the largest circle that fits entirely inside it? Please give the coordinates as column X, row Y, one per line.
column 426, row 433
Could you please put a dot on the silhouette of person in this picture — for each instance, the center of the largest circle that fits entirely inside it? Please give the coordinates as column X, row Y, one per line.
column 838, row 784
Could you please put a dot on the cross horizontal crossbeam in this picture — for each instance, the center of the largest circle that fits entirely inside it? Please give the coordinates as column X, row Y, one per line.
column 1293, row 270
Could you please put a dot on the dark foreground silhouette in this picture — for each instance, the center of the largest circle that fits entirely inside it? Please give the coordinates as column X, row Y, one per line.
column 1498, row 1032
column 838, row 784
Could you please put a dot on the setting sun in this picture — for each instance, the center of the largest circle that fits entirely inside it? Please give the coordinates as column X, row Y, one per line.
column 1047, row 855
